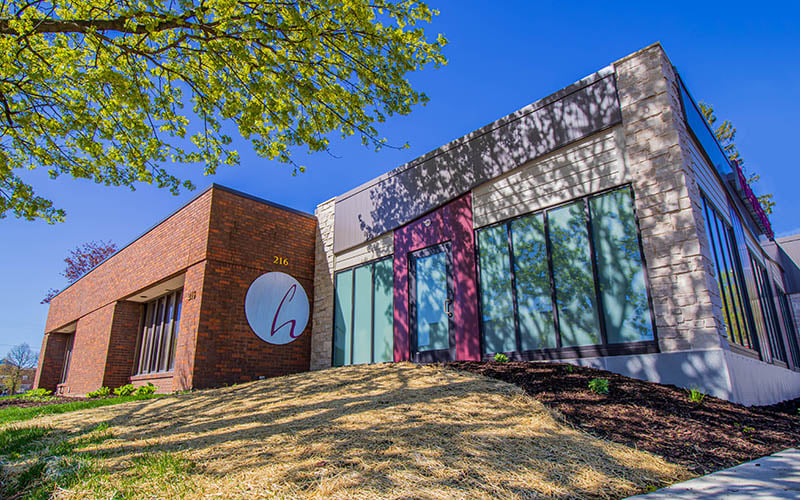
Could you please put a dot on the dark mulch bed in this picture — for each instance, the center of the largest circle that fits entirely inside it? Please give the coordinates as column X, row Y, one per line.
column 661, row 419
column 23, row 403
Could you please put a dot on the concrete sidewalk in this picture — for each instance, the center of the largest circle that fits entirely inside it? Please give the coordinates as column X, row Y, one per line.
column 776, row 476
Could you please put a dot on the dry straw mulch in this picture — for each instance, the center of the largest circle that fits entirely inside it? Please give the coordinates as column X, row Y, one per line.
column 396, row 431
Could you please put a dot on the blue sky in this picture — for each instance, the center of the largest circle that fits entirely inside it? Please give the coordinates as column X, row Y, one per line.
column 740, row 56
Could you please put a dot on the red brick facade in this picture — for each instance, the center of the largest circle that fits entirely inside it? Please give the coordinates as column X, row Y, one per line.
column 220, row 242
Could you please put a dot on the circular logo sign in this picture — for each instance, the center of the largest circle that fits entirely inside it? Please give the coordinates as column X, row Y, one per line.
column 276, row 307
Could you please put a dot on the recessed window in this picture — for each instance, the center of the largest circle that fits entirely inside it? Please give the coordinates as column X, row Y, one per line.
column 364, row 316
column 791, row 331
column 567, row 277
column 733, row 292
column 158, row 335
column 768, row 311
column 68, row 344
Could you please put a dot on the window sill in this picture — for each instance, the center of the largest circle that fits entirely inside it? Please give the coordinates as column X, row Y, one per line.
column 782, row 364
column 744, row 351
column 151, row 376
column 593, row 351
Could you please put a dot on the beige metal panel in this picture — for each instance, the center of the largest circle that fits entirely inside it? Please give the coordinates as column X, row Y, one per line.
column 587, row 166
column 374, row 249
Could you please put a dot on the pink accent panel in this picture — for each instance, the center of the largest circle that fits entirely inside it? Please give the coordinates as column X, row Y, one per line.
column 452, row 222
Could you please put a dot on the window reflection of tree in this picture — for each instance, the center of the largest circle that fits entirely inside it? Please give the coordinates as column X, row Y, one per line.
column 431, row 283
column 572, row 271
column 531, row 269
column 620, row 270
column 496, row 300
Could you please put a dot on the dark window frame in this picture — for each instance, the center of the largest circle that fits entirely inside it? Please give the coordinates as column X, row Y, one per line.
column 741, row 299
column 437, row 355
column 571, row 352
column 68, row 347
column 767, row 303
column 353, row 268
column 791, row 334
column 156, row 342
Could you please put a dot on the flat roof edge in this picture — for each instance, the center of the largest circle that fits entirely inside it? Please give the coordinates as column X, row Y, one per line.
column 584, row 82
column 174, row 212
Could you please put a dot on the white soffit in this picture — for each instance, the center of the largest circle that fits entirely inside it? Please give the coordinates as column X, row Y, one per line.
column 158, row 290
column 70, row 328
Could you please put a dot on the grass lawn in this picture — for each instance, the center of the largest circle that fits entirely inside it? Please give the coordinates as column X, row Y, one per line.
column 377, row 431
column 18, row 414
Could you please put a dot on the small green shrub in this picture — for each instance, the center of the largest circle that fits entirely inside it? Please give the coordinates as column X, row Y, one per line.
column 146, row 389
column 570, row 368
column 747, row 429
column 599, row 385
column 125, row 390
column 696, row 395
column 38, row 395
column 500, row 357
column 102, row 392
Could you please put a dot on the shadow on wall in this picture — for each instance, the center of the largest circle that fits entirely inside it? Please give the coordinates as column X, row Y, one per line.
column 416, row 188
column 706, row 370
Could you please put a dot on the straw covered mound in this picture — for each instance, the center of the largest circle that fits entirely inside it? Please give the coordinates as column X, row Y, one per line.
column 380, row 431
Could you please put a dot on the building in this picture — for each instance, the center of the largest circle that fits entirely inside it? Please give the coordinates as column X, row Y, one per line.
column 601, row 225
column 169, row 308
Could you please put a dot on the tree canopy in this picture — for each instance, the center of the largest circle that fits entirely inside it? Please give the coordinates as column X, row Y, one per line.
column 726, row 135
column 81, row 260
column 116, row 90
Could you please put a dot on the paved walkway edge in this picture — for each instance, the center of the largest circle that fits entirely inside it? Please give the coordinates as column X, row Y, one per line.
column 772, row 477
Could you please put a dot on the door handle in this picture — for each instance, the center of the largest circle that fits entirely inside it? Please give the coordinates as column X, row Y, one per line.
column 447, row 307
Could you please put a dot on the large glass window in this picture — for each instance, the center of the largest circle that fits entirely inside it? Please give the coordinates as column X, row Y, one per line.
column 768, row 311
column 791, row 331
column 497, row 302
column 534, row 293
column 70, row 341
column 542, row 277
column 159, row 334
column 620, row 272
column 738, row 324
column 576, row 298
column 363, row 319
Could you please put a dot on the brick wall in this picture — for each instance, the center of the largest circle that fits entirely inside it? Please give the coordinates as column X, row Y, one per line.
column 187, row 335
column 87, row 366
column 51, row 361
column 322, row 328
column 221, row 242
column 681, row 274
column 173, row 245
column 245, row 238
column 122, row 343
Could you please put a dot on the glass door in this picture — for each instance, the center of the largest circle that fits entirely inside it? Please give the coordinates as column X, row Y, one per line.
column 431, row 304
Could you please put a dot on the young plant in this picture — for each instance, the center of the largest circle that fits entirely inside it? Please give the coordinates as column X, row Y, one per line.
column 125, row 390
column 146, row 389
column 500, row 357
column 99, row 393
column 599, row 385
column 38, row 395
column 696, row 395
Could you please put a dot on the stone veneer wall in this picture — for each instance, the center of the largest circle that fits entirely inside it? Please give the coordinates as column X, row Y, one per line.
column 681, row 273
column 324, row 261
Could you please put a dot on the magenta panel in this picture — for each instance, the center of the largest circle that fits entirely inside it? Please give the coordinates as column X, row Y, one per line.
column 452, row 222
